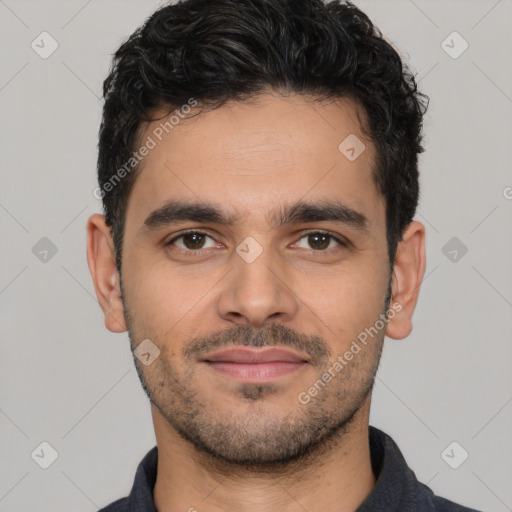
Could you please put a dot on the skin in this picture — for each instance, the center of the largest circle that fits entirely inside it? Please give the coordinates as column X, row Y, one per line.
column 224, row 444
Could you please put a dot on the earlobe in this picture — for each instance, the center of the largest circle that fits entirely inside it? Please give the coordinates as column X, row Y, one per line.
column 102, row 265
column 408, row 271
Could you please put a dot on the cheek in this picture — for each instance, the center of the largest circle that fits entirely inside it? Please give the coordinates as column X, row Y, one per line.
column 162, row 296
column 348, row 301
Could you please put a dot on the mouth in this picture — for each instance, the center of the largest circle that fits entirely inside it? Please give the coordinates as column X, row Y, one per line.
column 255, row 365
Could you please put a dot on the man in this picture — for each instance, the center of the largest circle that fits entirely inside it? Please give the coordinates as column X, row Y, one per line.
column 258, row 170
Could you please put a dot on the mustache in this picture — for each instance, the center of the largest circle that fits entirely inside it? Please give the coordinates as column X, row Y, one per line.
column 274, row 335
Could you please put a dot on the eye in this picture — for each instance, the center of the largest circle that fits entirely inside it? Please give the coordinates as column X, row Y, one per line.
column 321, row 240
column 192, row 241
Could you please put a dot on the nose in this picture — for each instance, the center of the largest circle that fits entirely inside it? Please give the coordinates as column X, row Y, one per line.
column 258, row 292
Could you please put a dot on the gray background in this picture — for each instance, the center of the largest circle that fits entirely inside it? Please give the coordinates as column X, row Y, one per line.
column 66, row 380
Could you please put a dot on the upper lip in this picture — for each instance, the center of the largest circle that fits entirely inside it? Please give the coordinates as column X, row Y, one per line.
column 254, row 355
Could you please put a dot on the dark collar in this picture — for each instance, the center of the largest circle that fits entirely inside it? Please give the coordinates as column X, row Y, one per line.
column 396, row 488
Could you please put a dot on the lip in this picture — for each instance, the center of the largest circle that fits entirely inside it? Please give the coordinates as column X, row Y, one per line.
column 251, row 365
column 255, row 356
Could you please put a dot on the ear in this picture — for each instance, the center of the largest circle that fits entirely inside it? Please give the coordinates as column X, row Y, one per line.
column 408, row 271
column 102, row 265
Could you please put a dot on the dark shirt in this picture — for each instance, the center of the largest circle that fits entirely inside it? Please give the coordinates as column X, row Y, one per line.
column 396, row 488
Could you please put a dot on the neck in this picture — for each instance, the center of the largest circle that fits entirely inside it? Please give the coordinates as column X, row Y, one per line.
column 336, row 477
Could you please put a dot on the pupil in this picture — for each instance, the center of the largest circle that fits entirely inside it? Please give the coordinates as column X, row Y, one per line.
column 197, row 239
column 318, row 236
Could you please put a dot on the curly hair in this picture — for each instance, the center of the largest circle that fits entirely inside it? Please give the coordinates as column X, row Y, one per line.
column 220, row 50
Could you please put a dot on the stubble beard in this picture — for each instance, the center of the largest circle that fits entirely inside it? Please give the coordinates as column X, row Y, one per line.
column 259, row 440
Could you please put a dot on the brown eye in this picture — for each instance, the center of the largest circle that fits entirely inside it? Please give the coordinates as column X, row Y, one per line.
column 192, row 241
column 320, row 241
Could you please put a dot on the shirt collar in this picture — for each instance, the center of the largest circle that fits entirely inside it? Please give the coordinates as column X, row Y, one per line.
column 396, row 485
column 141, row 497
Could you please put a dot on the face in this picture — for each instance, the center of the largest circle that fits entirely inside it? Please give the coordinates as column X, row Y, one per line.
column 287, row 249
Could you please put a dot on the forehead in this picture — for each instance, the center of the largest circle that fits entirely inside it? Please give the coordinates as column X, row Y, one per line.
column 251, row 157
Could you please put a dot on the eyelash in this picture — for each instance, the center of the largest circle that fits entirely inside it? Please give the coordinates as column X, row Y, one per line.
column 334, row 236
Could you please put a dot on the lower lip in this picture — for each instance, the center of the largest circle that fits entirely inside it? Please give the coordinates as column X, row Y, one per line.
column 255, row 372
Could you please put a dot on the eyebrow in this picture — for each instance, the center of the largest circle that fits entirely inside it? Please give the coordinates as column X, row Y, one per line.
column 301, row 212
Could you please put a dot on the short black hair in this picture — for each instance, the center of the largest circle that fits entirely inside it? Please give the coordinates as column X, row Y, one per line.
column 213, row 51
